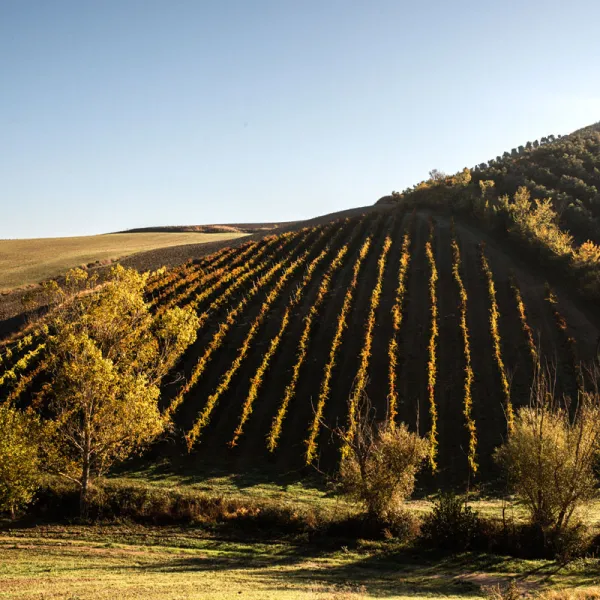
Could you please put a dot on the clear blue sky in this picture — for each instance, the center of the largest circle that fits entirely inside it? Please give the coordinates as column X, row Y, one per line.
column 130, row 113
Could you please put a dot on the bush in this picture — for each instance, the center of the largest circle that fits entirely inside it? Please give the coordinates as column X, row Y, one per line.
column 112, row 501
column 381, row 464
column 451, row 525
column 549, row 458
column 510, row 591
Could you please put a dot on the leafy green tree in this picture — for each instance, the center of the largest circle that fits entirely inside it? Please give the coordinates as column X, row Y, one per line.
column 19, row 457
column 108, row 356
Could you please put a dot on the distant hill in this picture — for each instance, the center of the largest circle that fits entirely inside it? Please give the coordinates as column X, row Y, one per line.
column 228, row 228
column 29, row 261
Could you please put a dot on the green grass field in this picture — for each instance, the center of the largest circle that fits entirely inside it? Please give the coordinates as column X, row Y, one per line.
column 23, row 262
column 311, row 494
column 135, row 562
column 132, row 561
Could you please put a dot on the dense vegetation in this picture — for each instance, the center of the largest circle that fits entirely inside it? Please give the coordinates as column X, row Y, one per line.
column 565, row 169
column 544, row 193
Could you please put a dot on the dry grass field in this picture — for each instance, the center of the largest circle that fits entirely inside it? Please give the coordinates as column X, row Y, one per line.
column 24, row 262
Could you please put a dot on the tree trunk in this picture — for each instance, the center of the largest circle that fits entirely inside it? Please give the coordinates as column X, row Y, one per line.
column 85, row 480
column 83, row 497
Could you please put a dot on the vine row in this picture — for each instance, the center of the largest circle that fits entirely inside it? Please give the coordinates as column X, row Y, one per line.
column 205, row 415
column 342, row 323
column 496, row 340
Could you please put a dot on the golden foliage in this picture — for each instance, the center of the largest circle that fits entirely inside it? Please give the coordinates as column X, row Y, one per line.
column 588, row 254
column 108, row 354
column 432, row 350
column 21, row 365
column 524, row 323
column 237, row 274
column 229, row 321
column 205, row 414
column 381, row 463
column 549, row 457
column 539, row 221
column 295, row 298
column 290, row 390
column 19, row 457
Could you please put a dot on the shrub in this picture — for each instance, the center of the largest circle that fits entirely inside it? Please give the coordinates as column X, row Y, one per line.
column 510, row 591
column 381, row 462
column 549, row 457
column 113, row 500
column 451, row 525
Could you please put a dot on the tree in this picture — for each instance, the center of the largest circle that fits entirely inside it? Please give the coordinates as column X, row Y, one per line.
column 549, row 456
column 437, row 175
column 19, row 457
column 463, row 178
column 108, row 355
column 588, row 254
column 381, row 464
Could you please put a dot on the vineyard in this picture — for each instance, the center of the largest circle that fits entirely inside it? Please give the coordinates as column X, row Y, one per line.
column 437, row 326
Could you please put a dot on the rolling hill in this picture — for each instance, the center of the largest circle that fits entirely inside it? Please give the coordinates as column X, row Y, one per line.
column 435, row 310
column 25, row 262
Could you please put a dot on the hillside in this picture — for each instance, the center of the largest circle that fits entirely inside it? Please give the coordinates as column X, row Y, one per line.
column 563, row 168
column 28, row 261
column 292, row 324
column 224, row 228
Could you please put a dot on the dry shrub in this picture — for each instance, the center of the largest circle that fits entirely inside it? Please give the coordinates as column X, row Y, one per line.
column 381, row 464
column 549, row 458
column 510, row 591
column 451, row 525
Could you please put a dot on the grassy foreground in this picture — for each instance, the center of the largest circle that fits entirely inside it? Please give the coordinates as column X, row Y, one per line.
column 306, row 493
column 237, row 557
column 131, row 561
column 23, row 262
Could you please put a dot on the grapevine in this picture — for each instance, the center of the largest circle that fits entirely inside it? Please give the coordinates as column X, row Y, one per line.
column 497, row 343
column 311, row 442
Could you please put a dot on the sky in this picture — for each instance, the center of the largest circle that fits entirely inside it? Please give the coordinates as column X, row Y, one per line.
column 117, row 114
